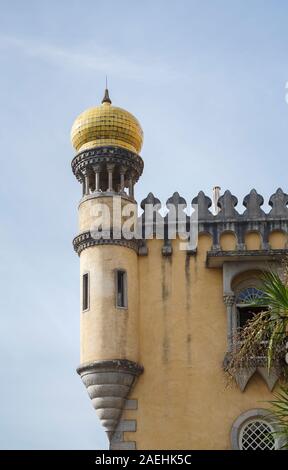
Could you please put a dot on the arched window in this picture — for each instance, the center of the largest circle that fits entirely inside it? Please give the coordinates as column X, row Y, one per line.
column 248, row 295
column 255, row 430
column 245, row 299
column 257, row 434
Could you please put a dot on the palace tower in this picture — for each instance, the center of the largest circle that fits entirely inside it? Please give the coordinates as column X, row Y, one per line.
column 158, row 321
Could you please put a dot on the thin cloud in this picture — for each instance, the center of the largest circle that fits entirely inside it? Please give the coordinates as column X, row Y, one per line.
column 99, row 59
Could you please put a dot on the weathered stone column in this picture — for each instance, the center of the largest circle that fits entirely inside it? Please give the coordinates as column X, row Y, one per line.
column 97, row 170
column 86, row 182
column 110, row 168
column 122, row 179
column 83, row 186
column 229, row 301
column 131, row 186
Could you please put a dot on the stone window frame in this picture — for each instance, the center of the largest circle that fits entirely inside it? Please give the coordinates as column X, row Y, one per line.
column 125, row 306
column 250, row 415
column 250, row 282
column 230, row 271
column 86, row 273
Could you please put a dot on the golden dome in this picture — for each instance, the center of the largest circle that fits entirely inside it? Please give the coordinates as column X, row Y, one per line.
column 106, row 125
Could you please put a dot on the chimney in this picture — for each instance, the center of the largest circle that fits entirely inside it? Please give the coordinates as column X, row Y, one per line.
column 215, row 198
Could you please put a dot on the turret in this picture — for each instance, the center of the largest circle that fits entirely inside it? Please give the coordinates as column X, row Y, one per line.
column 108, row 141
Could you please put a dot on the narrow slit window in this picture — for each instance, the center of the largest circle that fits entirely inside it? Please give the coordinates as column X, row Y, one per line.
column 85, row 292
column 121, row 289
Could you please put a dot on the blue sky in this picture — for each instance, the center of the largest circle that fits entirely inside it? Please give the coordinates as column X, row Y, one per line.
column 207, row 81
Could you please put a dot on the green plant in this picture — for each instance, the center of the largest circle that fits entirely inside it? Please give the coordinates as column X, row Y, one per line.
column 279, row 410
column 262, row 342
column 262, row 339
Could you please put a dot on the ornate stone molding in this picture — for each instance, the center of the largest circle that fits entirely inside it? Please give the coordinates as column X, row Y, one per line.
column 85, row 240
column 270, row 377
column 109, row 155
column 216, row 258
column 229, row 300
column 112, row 364
column 108, row 384
column 243, row 375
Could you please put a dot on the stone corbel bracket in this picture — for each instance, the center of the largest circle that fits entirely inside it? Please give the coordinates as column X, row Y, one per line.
column 108, row 384
column 242, row 376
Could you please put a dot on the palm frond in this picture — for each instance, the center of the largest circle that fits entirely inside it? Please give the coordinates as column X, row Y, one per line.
column 275, row 294
column 279, row 412
column 263, row 335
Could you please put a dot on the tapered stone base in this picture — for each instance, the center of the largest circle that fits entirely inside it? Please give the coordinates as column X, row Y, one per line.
column 108, row 384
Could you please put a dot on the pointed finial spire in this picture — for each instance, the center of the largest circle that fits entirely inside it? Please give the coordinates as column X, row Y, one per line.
column 106, row 98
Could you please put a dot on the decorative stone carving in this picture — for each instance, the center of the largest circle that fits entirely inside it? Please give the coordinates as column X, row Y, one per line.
column 85, row 240
column 270, row 378
column 150, row 199
column 252, row 202
column 227, row 203
column 108, row 384
column 278, row 201
column 203, row 202
column 176, row 200
column 228, row 219
column 149, row 226
column 109, row 154
column 243, row 376
column 176, row 218
column 229, row 300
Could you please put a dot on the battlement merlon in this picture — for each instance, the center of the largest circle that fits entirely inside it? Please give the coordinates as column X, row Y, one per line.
column 227, row 220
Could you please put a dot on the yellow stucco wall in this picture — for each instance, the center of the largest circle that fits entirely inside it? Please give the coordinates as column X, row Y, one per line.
column 107, row 332
column 175, row 326
column 278, row 239
column 183, row 400
column 253, row 241
column 228, row 241
column 108, row 208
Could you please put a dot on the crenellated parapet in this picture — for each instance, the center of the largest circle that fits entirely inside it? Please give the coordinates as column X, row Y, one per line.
column 171, row 220
column 228, row 219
